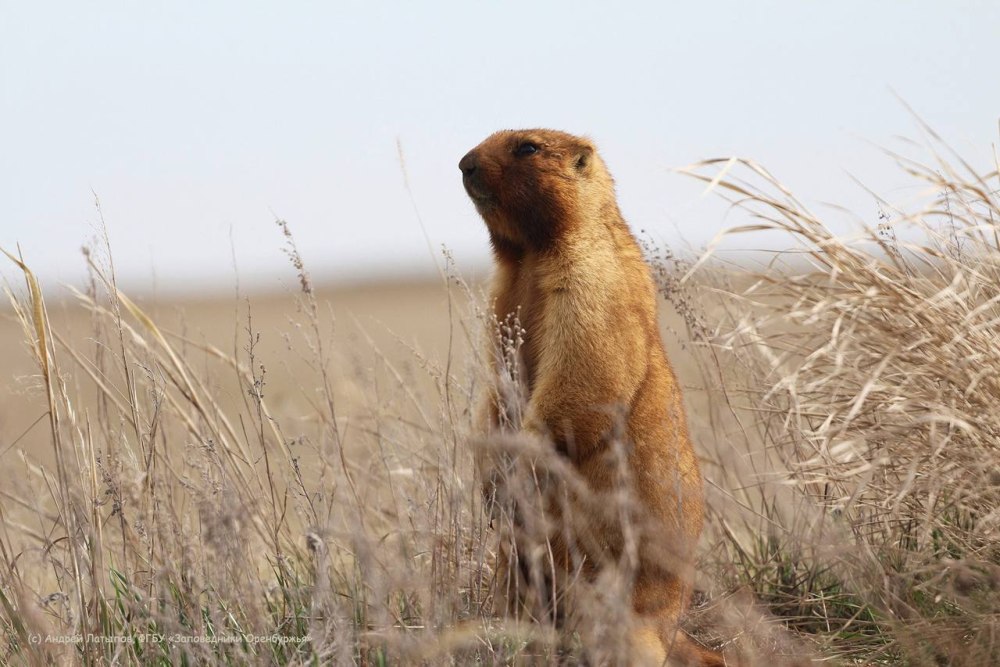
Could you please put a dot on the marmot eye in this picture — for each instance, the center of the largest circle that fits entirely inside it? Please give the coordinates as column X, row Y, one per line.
column 527, row 148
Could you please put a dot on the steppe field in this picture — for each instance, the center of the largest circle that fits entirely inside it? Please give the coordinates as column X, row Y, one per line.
column 287, row 478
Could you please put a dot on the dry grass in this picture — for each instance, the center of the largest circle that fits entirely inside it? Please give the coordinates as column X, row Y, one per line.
column 868, row 371
column 853, row 481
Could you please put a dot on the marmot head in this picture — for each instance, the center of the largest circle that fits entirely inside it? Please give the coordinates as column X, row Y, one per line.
column 533, row 186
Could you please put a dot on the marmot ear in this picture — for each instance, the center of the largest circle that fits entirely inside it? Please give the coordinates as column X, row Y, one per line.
column 583, row 156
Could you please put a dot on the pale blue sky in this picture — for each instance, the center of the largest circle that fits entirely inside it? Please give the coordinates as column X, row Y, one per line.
column 192, row 121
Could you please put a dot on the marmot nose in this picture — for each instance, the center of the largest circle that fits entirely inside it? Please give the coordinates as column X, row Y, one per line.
column 469, row 163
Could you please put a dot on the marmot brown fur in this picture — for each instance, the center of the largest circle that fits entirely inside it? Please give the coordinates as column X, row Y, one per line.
column 593, row 364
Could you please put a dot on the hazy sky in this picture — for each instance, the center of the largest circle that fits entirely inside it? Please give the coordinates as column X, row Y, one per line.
column 194, row 122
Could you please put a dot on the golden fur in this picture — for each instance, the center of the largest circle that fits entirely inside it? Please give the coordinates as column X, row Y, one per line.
column 593, row 365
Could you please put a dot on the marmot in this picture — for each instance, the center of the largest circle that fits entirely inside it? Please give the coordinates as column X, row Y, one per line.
column 592, row 362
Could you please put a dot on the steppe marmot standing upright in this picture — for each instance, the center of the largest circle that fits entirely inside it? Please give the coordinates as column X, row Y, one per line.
column 594, row 365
